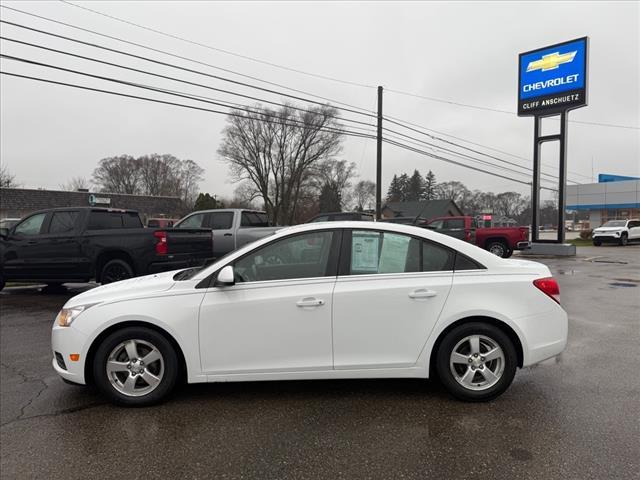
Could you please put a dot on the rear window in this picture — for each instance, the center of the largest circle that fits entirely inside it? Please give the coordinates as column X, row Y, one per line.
column 454, row 223
column 105, row 220
column 63, row 222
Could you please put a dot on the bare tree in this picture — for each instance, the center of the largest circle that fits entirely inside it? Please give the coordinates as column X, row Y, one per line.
column 7, row 179
column 75, row 183
column 276, row 151
column 364, row 194
column 159, row 175
column 119, row 174
column 191, row 175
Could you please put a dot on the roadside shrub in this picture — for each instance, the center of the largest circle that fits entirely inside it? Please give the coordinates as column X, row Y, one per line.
column 586, row 234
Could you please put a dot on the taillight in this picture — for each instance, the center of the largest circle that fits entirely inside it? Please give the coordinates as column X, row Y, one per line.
column 467, row 235
column 548, row 286
column 162, row 247
column 524, row 232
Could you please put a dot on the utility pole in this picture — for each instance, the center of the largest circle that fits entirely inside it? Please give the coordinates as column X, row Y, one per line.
column 379, row 159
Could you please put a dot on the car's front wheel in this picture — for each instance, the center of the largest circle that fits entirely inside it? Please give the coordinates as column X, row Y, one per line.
column 624, row 239
column 597, row 243
column 135, row 366
column 476, row 362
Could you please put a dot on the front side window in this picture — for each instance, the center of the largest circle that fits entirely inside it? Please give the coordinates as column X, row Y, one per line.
column 31, row 226
column 221, row 221
column 299, row 256
column 383, row 252
column 62, row 222
column 436, row 225
column 194, row 221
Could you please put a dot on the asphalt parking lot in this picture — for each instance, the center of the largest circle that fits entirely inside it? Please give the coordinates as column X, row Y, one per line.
column 573, row 417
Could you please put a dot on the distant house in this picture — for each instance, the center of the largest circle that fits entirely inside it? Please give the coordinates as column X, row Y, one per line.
column 424, row 208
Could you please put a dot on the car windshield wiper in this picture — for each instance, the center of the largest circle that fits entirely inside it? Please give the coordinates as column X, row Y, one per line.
column 186, row 274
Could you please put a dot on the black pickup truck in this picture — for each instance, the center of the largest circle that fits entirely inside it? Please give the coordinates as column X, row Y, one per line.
column 78, row 244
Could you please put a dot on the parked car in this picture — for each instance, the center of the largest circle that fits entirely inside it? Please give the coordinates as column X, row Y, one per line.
column 77, row 244
column 318, row 301
column 342, row 216
column 617, row 231
column 232, row 228
column 7, row 223
column 500, row 241
column 161, row 222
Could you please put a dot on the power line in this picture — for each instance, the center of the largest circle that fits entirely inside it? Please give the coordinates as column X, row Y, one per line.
column 497, row 110
column 444, row 159
column 404, row 124
column 166, row 77
column 220, row 50
column 164, row 52
column 469, row 149
column 165, row 102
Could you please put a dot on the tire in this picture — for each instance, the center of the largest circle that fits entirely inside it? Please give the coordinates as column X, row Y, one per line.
column 115, row 270
column 2, row 284
column 597, row 243
column 463, row 375
column 498, row 248
column 624, row 240
column 509, row 253
column 127, row 384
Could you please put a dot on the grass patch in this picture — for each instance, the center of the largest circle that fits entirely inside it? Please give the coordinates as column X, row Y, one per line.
column 581, row 242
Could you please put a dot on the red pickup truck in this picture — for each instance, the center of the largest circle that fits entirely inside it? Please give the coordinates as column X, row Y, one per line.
column 501, row 241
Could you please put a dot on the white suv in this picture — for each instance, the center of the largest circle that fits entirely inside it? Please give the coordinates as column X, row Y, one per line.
column 618, row 231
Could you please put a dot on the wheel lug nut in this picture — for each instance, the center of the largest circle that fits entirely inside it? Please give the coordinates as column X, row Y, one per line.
column 470, row 360
column 129, row 367
column 482, row 358
column 473, row 368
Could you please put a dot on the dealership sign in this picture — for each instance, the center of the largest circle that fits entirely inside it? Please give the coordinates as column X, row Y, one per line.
column 553, row 79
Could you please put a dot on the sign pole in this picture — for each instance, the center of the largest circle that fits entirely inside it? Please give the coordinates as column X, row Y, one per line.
column 535, row 184
column 562, row 196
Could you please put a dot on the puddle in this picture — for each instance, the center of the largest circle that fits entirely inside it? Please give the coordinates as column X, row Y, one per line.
column 567, row 272
column 610, row 261
column 622, row 284
column 627, row 280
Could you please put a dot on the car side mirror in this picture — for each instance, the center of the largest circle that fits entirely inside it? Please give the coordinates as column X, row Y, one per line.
column 226, row 277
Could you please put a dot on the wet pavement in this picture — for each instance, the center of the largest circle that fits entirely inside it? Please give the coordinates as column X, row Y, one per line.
column 574, row 417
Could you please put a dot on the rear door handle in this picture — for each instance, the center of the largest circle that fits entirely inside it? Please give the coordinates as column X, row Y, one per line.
column 423, row 293
column 31, row 242
column 228, row 234
column 310, row 302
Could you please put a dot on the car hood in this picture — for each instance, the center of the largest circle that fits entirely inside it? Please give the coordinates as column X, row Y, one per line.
column 608, row 229
column 125, row 289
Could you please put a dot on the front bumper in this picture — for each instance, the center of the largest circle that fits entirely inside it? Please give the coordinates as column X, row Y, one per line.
column 64, row 342
column 606, row 237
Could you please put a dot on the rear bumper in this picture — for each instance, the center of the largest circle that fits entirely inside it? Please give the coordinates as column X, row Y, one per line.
column 545, row 334
column 526, row 245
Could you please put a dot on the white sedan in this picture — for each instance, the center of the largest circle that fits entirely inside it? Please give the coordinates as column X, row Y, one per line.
column 318, row 301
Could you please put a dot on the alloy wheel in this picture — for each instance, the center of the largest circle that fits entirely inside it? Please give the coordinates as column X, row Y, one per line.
column 135, row 367
column 477, row 362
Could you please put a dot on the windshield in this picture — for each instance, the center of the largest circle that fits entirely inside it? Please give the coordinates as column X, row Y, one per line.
column 615, row 223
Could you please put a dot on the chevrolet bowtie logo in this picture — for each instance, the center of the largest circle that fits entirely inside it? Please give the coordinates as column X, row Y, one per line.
column 551, row 61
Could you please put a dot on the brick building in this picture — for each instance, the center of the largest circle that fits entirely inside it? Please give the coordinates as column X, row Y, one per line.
column 18, row 202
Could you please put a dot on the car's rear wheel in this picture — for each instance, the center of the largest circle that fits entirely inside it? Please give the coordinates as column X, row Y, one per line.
column 476, row 362
column 135, row 366
column 498, row 248
column 624, row 239
column 115, row 270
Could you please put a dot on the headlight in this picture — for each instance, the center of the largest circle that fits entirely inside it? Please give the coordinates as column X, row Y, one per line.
column 67, row 315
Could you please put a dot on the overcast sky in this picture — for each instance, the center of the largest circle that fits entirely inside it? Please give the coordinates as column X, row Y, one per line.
column 455, row 51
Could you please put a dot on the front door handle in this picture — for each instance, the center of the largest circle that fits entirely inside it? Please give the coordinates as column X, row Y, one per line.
column 310, row 302
column 423, row 293
column 31, row 242
column 228, row 234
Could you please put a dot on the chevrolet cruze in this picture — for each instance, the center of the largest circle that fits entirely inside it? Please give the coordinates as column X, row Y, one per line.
column 318, row 301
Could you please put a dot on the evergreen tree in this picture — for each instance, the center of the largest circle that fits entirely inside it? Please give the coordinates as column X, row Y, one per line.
column 430, row 185
column 330, row 199
column 394, row 194
column 403, row 180
column 415, row 187
column 207, row 202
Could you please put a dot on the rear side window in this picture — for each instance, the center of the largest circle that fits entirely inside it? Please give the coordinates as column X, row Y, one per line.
column 454, row 223
column 465, row 263
column 105, row 220
column 436, row 258
column 63, row 222
column 383, row 252
column 221, row 221
column 254, row 219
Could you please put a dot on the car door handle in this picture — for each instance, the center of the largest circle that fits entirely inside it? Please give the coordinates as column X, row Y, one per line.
column 423, row 293
column 31, row 242
column 310, row 302
column 228, row 234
